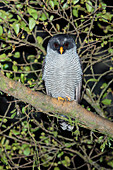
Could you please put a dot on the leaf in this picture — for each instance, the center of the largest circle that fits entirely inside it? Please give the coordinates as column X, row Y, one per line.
column 32, row 23
column 75, row 12
column 58, row 27
column 92, row 80
column 17, row 55
column 39, row 39
column 13, row 111
column 19, row 5
column 32, row 12
column 51, row 4
column 3, row 57
column 55, row 133
column 75, row 1
column 67, row 159
column 27, row 68
column 5, row 66
column 8, row 75
column 51, row 17
column 16, row 27
column 13, row 115
column 106, row 101
column 22, row 25
column 89, row 6
column 15, row 68
column 107, row 16
column 27, row 151
column 104, row 85
column 1, row 30
column 15, row 132
column 44, row 16
column 56, row 168
column 60, row 154
column 65, row 6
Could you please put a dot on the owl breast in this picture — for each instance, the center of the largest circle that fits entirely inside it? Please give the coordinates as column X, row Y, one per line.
column 62, row 74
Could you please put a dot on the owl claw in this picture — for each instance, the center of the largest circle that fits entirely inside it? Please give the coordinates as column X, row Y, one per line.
column 68, row 98
column 61, row 98
column 64, row 99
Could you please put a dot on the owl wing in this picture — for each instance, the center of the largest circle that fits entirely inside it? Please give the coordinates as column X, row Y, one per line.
column 78, row 92
column 43, row 66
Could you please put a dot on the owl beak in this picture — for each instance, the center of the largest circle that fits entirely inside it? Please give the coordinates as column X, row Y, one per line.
column 61, row 50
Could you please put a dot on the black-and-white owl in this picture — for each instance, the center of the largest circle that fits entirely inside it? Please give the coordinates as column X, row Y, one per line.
column 62, row 71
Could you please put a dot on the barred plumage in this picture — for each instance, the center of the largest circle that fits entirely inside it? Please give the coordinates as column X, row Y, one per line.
column 62, row 72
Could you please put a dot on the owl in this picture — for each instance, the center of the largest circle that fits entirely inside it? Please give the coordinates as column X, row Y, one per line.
column 62, row 71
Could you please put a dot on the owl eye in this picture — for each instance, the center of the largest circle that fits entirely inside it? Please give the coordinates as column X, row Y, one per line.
column 66, row 44
column 56, row 45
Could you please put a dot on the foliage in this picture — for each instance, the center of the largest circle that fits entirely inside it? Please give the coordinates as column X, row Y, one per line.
column 25, row 27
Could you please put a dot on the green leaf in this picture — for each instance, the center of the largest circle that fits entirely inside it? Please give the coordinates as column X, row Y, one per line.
column 5, row 66
column 8, row 75
column 3, row 57
column 55, row 133
column 1, row 167
column 17, row 55
column 23, row 108
column 27, row 68
column 56, row 168
column 92, row 80
column 13, row 115
column 104, row 85
column 110, row 163
column 1, row 30
column 15, row 68
column 51, row 4
column 107, row 16
column 32, row 23
column 51, row 17
column 105, row 94
column 65, row 6
column 75, row 12
column 27, row 151
column 60, row 154
column 16, row 27
column 13, row 111
column 89, row 6
column 3, row 14
column 39, row 39
column 15, row 132
column 106, row 101
column 19, row 5
column 22, row 25
column 58, row 27
column 22, row 77
column 75, row 1
column 66, row 161
column 32, row 12
column 44, row 16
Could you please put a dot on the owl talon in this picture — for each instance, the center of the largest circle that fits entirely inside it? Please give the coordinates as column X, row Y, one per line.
column 68, row 98
column 61, row 98
column 64, row 99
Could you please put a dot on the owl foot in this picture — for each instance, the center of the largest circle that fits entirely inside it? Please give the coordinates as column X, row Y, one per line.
column 61, row 98
column 64, row 99
column 68, row 98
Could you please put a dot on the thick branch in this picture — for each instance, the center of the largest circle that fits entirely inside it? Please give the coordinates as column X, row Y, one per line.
column 46, row 103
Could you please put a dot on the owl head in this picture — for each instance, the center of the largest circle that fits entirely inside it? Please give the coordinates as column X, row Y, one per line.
column 61, row 43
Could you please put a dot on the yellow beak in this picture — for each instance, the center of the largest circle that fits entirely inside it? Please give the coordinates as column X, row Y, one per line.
column 61, row 50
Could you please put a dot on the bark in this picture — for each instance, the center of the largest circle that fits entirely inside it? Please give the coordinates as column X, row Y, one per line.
column 46, row 104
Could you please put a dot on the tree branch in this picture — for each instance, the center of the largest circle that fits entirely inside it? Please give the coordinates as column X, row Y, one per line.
column 46, row 103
